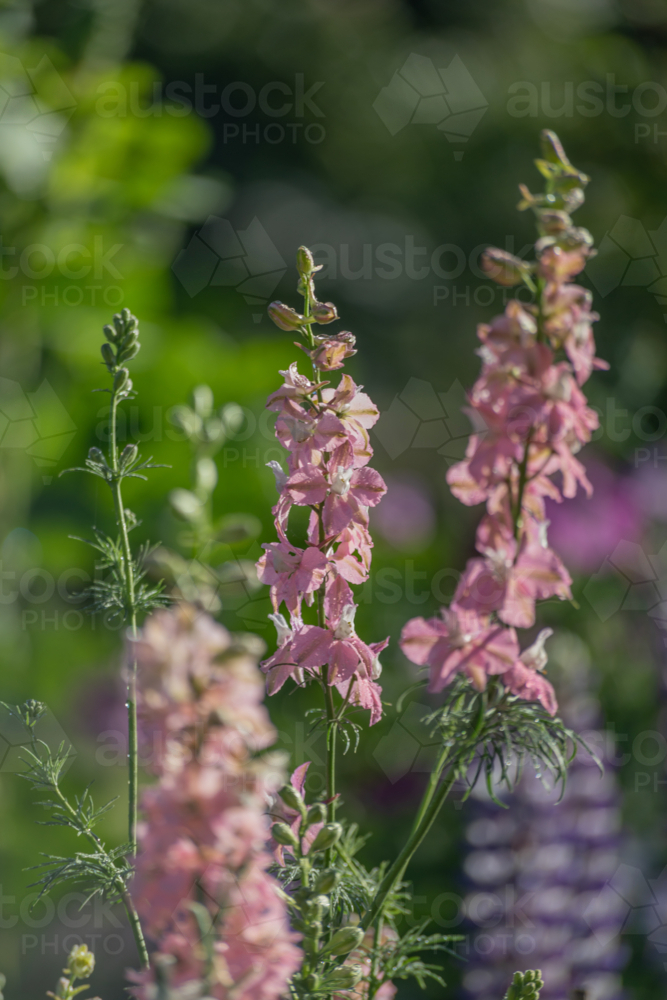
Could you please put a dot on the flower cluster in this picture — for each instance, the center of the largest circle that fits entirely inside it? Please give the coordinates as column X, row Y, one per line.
column 325, row 431
column 201, row 885
column 533, row 419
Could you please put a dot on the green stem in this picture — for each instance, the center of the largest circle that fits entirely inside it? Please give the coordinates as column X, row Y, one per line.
column 431, row 787
column 133, row 747
column 397, row 870
column 122, row 889
column 331, row 756
column 373, row 983
column 521, row 486
column 431, row 805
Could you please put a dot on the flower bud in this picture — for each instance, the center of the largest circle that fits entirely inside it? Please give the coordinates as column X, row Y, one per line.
column 231, row 416
column 316, row 907
column 202, row 400
column 311, row 982
column 504, row 268
column 282, row 834
column 121, row 379
column 129, row 352
column 305, row 264
column 110, row 333
column 207, row 474
column 316, row 814
column 554, row 222
column 285, row 317
column 292, row 798
column 187, row 421
column 324, row 312
column 128, row 454
column 345, row 939
column 186, row 504
column 81, row 962
column 97, row 456
column 108, row 356
column 552, row 148
column 327, row 837
column 327, row 880
column 344, row 978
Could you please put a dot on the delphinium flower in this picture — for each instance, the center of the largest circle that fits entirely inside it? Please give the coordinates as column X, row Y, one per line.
column 324, row 429
column 202, row 886
column 537, row 872
column 528, row 397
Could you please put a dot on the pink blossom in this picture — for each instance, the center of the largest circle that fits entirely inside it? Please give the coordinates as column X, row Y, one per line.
column 524, row 678
column 295, row 387
column 292, row 573
column 510, row 577
column 204, row 829
column 350, row 554
column 307, row 435
column 281, row 665
column 338, row 646
column 352, row 492
column 460, row 641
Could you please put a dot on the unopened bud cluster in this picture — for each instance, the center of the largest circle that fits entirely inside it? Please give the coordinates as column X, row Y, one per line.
column 122, row 345
column 525, row 985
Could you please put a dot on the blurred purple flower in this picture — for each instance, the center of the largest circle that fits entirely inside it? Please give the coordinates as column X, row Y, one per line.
column 406, row 517
column 584, row 533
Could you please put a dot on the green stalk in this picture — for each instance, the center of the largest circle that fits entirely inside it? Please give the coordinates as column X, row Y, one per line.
column 128, row 575
column 128, row 902
column 431, row 805
column 328, row 692
column 433, row 781
column 397, row 870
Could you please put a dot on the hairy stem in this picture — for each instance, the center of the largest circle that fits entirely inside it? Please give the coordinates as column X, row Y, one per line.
column 122, row 889
column 128, row 576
